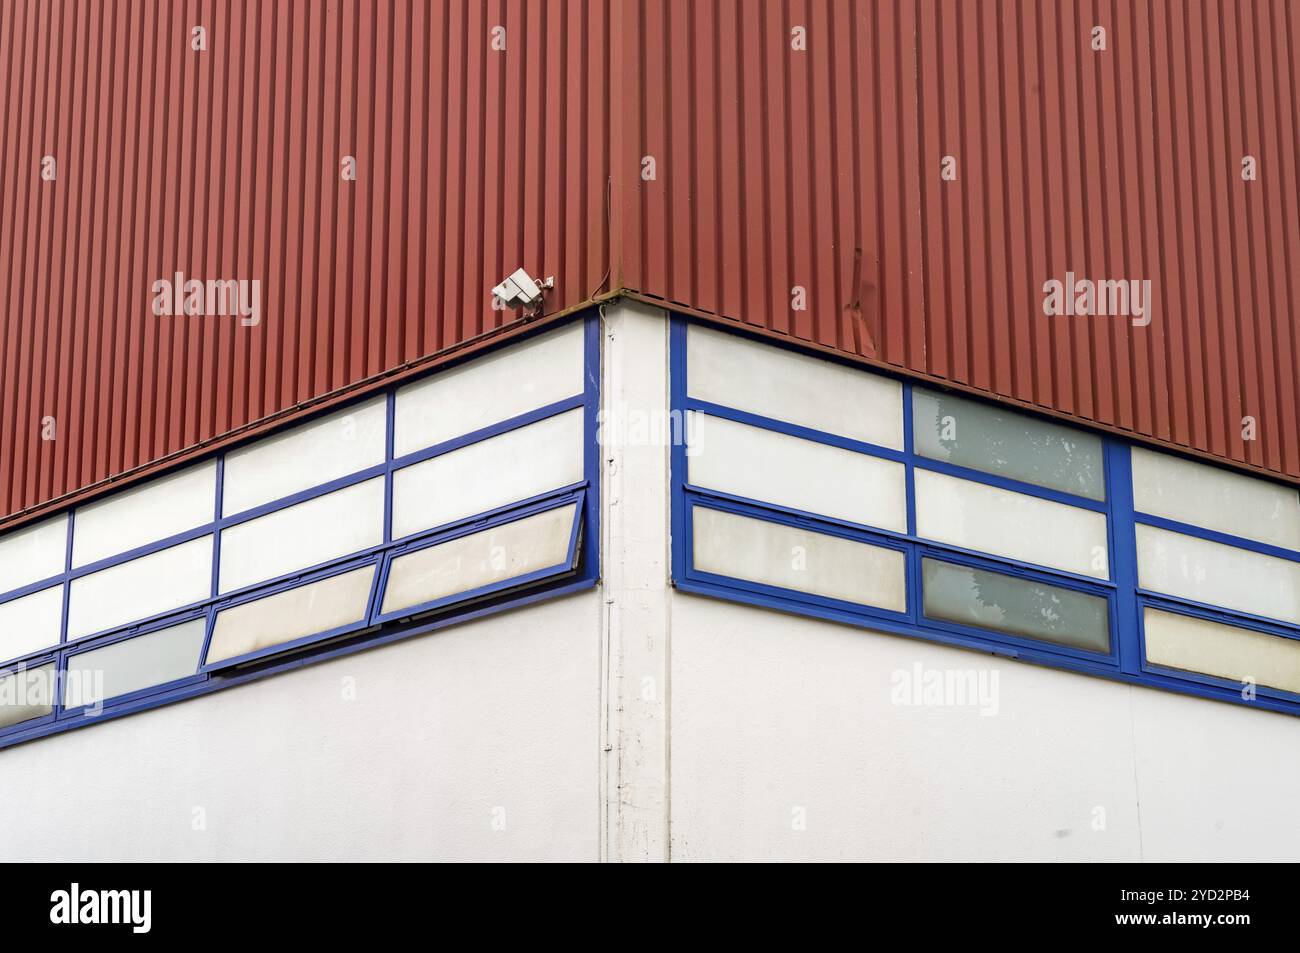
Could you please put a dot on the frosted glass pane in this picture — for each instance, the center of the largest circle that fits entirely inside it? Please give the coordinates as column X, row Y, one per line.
column 26, row 695
column 134, row 664
column 1217, row 574
column 295, row 614
column 762, row 379
column 145, row 514
column 1214, row 498
column 34, row 552
column 1023, row 607
column 298, row 459
column 143, row 587
column 489, row 390
column 1016, row 446
column 303, row 535
column 992, row 520
column 774, row 555
column 480, row 559
column 1212, row 648
column 776, row 468
column 30, row 623
column 504, row 469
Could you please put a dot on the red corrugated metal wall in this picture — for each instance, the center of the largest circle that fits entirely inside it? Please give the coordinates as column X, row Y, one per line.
column 820, row 168
column 774, row 167
column 226, row 163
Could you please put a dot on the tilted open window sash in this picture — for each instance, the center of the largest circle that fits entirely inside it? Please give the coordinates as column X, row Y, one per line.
column 536, row 543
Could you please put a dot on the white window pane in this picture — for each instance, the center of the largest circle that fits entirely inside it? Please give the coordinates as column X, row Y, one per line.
column 134, row 664
column 1215, row 498
column 469, row 562
column 1226, row 651
column 1217, row 574
column 1024, row 607
column 33, row 552
column 295, row 614
column 1003, row 442
column 504, row 469
column 143, row 587
column 30, row 623
column 303, row 535
column 489, row 390
column 773, row 382
column 791, row 558
column 145, row 514
column 26, row 695
column 334, row 446
column 989, row 519
column 776, row 468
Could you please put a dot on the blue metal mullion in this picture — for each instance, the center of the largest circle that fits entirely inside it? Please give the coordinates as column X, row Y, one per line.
column 465, row 522
column 39, row 585
column 792, row 513
column 816, row 522
column 302, row 496
column 909, row 454
column 789, row 429
column 216, row 527
column 61, row 657
column 492, row 430
column 1007, row 483
column 796, row 519
column 210, row 614
column 1215, row 536
column 390, row 437
column 148, row 549
column 67, row 579
column 1017, row 570
column 510, row 513
column 385, row 560
column 681, row 555
column 1123, row 554
column 99, row 640
column 915, row 608
column 383, row 568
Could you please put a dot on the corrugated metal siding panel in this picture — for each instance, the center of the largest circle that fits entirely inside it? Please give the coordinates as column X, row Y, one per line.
column 225, row 163
column 775, row 168
column 778, row 168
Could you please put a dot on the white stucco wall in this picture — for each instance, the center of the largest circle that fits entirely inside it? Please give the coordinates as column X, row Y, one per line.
column 781, row 722
column 496, row 718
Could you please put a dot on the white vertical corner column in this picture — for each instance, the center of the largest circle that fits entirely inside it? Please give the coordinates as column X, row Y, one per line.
column 635, row 443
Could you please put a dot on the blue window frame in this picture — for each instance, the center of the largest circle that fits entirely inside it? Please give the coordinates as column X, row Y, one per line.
column 1124, row 599
column 579, row 569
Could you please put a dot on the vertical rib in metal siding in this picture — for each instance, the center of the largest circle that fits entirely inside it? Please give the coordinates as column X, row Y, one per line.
column 1116, row 163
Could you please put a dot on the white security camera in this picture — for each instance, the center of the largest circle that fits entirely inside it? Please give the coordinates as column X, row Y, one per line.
column 521, row 291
